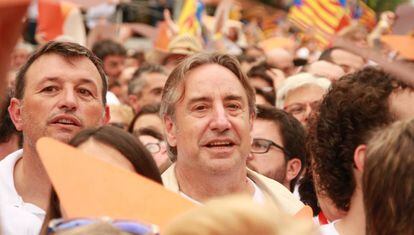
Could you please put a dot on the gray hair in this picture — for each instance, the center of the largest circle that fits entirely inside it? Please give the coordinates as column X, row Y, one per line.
column 297, row 81
column 174, row 87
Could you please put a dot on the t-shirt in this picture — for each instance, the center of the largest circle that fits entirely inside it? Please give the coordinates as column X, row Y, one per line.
column 258, row 195
column 329, row 229
column 16, row 216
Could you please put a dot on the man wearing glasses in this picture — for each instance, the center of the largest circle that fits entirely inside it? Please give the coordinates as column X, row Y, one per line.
column 278, row 147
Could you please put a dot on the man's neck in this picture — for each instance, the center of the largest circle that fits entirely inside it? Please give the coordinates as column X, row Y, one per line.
column 31, row 180
column 354, row 221
column 202, row 185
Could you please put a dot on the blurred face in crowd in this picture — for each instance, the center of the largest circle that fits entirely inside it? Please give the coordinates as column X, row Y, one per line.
column 281, row 59
column 148, row 121
column 152, row 91
column 106, row 153
column 158, row 150
column 301, row 102
column 113, row 66
column 19, row 57
column 212, row 124
column 124, row 78
column 61, row 97
column 348, row 61
column 271, row 163
column 400, row 101
column 326, row 69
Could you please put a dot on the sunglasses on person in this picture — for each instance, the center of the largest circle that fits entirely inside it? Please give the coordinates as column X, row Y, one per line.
column 130, row 226
column 261, row 146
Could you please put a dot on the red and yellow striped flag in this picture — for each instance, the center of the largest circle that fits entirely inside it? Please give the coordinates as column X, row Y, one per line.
column 321, row 18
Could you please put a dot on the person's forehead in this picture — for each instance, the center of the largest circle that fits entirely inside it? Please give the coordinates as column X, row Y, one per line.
column 306, row 93
column 267, row 129
column 205, row 77
column 55, row 65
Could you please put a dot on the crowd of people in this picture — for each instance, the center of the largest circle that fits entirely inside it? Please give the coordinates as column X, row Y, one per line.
column 255, row 128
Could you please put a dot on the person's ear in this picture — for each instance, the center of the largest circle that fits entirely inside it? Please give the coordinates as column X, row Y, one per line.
column 107, row 115
column 359, row 157
column 15, row 111
column 293, row 167
column 170, row 130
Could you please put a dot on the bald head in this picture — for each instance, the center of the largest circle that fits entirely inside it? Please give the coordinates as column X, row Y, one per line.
column 281, row 59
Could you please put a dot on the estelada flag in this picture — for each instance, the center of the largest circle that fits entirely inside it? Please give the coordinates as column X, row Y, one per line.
column 90, row 187
column 321, row 18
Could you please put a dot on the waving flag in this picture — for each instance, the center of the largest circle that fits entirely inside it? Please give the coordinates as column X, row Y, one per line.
column 364, row 14
column 190, row 17
column 322, row 18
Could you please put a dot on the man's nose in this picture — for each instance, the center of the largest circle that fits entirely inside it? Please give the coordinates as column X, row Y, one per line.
column 68, row 100
column 220, row 120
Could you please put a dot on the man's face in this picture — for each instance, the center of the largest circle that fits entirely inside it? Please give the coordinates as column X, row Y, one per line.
column 212, row 123
column 113, row 66
column 271, row 164
column 152, row 91
column 301, row 101
column 150, row 120
column 348, row 61
column 61, row 97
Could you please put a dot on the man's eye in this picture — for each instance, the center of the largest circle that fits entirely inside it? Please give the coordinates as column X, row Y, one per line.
column 85, row 92
column 234, row 107
column 49, row 89
column 200, row 108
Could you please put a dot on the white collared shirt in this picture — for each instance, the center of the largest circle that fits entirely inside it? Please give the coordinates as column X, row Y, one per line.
column 16, row 216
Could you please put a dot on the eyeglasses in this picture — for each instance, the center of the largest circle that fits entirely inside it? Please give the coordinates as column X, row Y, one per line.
column 155, row 147
column 133, row 227
column 299, row 108
column 261, row 146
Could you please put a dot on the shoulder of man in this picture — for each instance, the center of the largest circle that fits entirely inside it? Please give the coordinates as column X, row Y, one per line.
column 278, row 193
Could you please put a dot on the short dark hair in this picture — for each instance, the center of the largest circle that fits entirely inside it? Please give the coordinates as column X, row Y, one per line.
column 260, row 71
column 136, row 84
column 292, row 133
column 146, row 109
column 129, row 146
column 355, row 105
column 149, row 131
column 67, row 50
column 107, row 47
column 326, row 55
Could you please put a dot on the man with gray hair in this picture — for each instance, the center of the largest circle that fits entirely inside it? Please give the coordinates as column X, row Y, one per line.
column 300, row 94
column 208, row 108
column 146, row 86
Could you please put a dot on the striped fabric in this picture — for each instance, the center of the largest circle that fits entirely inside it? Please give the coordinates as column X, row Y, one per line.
column 364, row 14
column 322, row 18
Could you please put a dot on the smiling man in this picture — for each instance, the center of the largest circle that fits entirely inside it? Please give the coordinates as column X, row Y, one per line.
column 208, row 110
column 59, row 91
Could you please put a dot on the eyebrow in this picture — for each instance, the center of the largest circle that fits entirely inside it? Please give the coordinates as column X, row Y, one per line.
column 208, row 99
column 57, row 79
